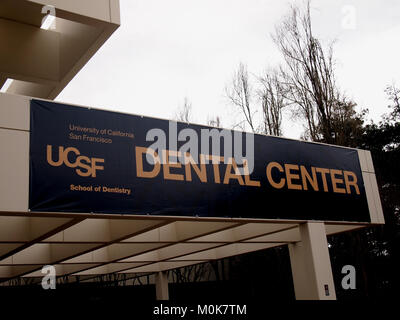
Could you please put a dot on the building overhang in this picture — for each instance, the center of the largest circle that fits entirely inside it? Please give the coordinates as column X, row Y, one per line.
column 42, row 62
column 91, row 245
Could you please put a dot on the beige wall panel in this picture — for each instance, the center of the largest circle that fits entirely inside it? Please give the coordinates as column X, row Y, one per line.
column 119, row 251
column 61, row 252
column 148, row 256
column 363, row 160
column 89, row 230
column 370, row 196
column 149, row 236
column 221, row 236
column 121, row 229
column 41, row 226
column 291, row 235
column 370, row 164
column 14, row 170
column 371, row 187
column 90, row 257
column 11, row 271
column 253, row 229
column 182, row 249
column 377, row 199
column 336, row 228
column 186, row 230
column 14, row 111
column 36, row 254
column 115, row 11
column 30, row 89
column 14, row 228
column 17, row 229
column 6, row 248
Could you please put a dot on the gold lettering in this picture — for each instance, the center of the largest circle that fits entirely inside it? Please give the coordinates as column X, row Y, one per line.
column 305, row 176
column 171, row 164
column 247, row 179
column 323, row 172
column 290, row 176
column 232, row 175
column 281, row 183
column 95, row 167
column 200, row 171
column 50, row 158
column 349, row 183
column 140, row 151
column 335, row 181
column 84, row 166
column 65, row 157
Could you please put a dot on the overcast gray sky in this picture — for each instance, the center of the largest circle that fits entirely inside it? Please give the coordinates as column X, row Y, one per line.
column 166, row 50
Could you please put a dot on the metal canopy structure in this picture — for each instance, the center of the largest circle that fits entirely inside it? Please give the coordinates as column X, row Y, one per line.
column 90, row 245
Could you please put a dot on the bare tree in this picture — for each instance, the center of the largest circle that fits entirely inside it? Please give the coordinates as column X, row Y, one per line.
column 306, row 82
column 239, row 93
column 393, row 93
column 308, row 75
column 272, row 102
column 193, row 273
column 184, row 113
column 214, row 122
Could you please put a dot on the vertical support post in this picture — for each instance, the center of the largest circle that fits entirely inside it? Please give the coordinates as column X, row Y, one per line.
column 311, row 264
column 162, row 286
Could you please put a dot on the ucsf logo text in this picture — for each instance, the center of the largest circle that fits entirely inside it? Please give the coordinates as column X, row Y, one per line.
column 71, row 157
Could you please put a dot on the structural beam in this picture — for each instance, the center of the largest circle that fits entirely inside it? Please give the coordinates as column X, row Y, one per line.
column 162, row 286
column 311, row 265
column 54, row 253
column 149, row 252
